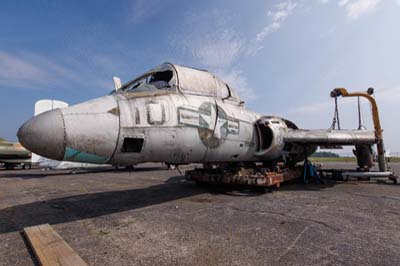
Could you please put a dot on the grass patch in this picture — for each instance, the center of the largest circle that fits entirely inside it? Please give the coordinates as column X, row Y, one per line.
column 344, row 159
column 395, row 160
column 333, row 159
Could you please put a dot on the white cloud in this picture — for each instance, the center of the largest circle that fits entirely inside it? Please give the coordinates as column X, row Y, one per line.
column 355, row 9
column 209, row 39
column 280, row 13
column 218, row 48
column 388, row 95
column 54, row 71
column 33, row 71
column 144, row 9
column 15, row 71
column 343, row 2
column 309, row 109
column 238, row 81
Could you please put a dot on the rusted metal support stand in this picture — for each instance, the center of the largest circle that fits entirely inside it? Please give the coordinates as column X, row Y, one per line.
column 255, row 177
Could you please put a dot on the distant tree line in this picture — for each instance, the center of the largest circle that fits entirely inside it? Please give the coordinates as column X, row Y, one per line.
column 325, row 154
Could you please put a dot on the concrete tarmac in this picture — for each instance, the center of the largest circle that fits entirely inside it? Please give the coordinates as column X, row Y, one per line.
column 152, row 216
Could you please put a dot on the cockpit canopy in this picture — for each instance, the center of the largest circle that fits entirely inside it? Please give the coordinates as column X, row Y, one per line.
column 183, row 79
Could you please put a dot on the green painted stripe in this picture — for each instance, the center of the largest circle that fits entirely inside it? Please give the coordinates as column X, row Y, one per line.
column 78, row 156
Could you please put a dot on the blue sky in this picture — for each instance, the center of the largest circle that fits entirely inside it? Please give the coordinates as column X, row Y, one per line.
column 283, row 57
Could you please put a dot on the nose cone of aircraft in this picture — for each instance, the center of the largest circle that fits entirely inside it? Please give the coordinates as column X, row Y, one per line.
column 44, row 134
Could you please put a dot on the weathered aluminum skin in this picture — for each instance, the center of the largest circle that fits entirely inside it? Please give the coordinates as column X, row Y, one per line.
column 44, row 134
column 193, row 116
column 188, row 129
column 278, row 129
column 91, row 130
column 325, row 137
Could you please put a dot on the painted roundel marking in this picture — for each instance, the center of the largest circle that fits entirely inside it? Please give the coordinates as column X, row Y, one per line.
column 207, row 119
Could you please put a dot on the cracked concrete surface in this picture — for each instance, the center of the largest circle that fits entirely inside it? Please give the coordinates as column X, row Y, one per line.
column 154, row 217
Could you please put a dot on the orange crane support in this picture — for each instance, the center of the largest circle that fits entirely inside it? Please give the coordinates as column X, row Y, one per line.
column 375, row 117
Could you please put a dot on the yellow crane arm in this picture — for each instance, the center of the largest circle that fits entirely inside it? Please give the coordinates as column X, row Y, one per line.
column 375, row 117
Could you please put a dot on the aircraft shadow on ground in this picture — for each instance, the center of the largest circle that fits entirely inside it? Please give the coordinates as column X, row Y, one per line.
column 73, row 208
column 48, row 173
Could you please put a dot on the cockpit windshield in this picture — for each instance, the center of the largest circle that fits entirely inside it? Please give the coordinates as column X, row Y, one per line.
column 161, row 80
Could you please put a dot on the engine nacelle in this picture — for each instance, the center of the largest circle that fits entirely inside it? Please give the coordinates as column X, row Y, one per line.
column 270, row 137
column 271, row 145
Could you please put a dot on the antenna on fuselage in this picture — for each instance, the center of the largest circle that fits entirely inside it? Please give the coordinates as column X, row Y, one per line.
column 117, row 83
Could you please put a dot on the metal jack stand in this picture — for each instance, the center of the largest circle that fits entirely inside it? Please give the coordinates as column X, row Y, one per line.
column 309, row 171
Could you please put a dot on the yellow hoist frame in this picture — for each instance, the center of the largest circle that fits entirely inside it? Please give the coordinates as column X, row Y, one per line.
column 375, row 117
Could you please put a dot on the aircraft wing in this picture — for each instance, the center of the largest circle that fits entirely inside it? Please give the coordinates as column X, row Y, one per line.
column 321, row 137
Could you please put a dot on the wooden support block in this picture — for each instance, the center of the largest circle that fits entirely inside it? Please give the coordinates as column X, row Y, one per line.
column 50, row 249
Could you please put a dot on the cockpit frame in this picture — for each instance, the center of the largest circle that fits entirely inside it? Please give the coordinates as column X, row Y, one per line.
column 184, row 80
